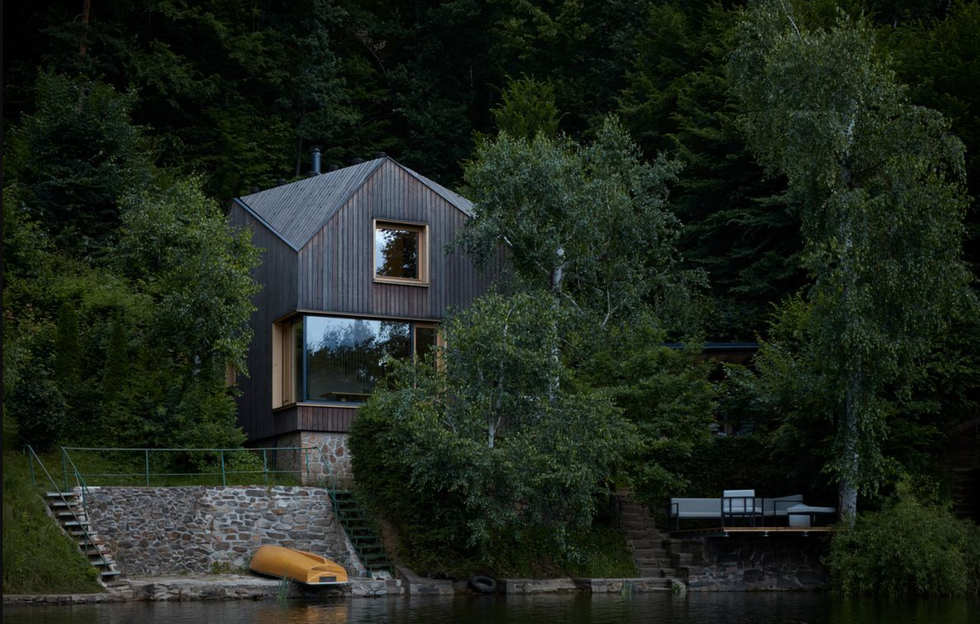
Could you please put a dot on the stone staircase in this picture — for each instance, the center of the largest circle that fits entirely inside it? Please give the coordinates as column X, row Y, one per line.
column 67, row 509
column 361, row 533
column 645, row 540
column 965, row 467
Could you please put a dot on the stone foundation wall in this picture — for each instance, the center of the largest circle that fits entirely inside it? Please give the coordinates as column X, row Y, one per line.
column 756, row 563
column 334, row 450
column 181, row 530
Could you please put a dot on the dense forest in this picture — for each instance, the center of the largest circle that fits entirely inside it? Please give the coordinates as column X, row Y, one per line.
column 130, row 124
column 239, row 91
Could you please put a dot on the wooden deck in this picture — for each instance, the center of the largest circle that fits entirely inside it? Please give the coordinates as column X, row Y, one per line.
column 743, row 530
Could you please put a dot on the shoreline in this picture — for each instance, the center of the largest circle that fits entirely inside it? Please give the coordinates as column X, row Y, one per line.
column 225, row 587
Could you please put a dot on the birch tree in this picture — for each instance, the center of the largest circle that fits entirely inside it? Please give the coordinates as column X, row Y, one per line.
column 586, row 223
column 880, row 183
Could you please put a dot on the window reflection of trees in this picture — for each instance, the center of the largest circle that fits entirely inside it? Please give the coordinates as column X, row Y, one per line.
column 345, row 356
column 397, row 253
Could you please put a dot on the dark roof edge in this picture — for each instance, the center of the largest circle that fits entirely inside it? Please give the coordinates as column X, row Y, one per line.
column 438, row 189
column 265, row 223
column 340, row 205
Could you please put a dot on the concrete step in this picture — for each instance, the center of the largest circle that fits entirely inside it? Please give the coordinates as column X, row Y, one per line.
column 649, row 552
column 57, row 502
column 652, row 572
column 75, row 523
column 107, row 573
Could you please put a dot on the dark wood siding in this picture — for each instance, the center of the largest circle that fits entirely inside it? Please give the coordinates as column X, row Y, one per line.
column 333, row 272
column 277, row 275
column 325, row 418
column 336, row 265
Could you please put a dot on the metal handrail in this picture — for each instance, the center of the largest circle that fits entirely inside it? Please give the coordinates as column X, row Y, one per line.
column 224, row 472
column 86, row 538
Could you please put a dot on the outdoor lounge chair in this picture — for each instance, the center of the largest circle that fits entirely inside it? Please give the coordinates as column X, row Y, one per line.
column 742, row 501
column 804, row 516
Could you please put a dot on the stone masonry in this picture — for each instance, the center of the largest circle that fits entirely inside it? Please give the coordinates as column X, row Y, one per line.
column 750, row 563
column 183, row 530
column 334, row 450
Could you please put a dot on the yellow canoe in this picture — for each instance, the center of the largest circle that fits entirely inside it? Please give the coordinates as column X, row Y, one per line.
column 297, row 565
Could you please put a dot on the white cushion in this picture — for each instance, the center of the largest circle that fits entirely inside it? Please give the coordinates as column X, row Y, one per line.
column 730, row 493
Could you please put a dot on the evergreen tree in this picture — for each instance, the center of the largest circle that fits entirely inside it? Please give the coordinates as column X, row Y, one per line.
column 67, row 351
column 117, row 363
column 526, row 109
column 737, row 226
column 75, row 158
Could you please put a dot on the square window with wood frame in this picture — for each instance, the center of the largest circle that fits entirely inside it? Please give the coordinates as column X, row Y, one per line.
column 401, row 252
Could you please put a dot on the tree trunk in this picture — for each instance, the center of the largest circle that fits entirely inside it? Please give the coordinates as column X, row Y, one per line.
column 556, row 278
column 86, row 15
column 851, row 460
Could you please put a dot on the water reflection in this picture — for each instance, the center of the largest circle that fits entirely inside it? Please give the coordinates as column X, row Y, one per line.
column 732, row 608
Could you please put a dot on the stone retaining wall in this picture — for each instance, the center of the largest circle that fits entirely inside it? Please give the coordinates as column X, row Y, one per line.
column 181, row 530
column 776, row 563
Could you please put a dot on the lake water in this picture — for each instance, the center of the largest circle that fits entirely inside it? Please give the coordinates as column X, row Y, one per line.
column 723, row 608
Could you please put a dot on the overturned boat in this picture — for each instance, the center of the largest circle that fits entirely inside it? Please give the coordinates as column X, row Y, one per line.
column 297, row 565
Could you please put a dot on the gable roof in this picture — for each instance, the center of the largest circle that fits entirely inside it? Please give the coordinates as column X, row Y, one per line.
column 298, row 210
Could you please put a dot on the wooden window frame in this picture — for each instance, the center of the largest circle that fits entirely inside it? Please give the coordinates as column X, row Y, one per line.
column 283, row 365
column 283, row 375
column 440, row 343
column 423, row 231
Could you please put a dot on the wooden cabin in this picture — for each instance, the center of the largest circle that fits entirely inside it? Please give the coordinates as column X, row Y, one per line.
column 353, row 268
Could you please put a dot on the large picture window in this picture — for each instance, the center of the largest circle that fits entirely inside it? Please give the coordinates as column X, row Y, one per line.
column 400, row 252
column 335, row 360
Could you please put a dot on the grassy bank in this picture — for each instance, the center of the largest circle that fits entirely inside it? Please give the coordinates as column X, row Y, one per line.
column 38, row 558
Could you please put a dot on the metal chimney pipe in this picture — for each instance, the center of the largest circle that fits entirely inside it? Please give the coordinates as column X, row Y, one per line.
column 315, row 162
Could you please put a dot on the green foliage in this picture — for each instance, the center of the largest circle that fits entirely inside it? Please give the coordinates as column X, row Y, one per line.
column 880, row 186
column 678, row 98
column 665, row 393
column 75, row 157
column 67, row 353
column 485, row 448
column 167, row 264
column 526, row 109
column 39, row 409
column 587, row 223
column 38, row 558
column 937, row 58
column 118, row 368
column 908, row 548
column 178, row 246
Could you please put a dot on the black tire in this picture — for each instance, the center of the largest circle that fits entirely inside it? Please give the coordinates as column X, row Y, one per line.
column 483, row 584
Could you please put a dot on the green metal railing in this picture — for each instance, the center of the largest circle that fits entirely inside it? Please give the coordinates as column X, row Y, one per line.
column 216, row 457
column 87, row 541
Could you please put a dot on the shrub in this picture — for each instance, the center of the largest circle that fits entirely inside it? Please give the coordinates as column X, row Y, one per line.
column 494, row 447
column 908, row 548
column 39, row 409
